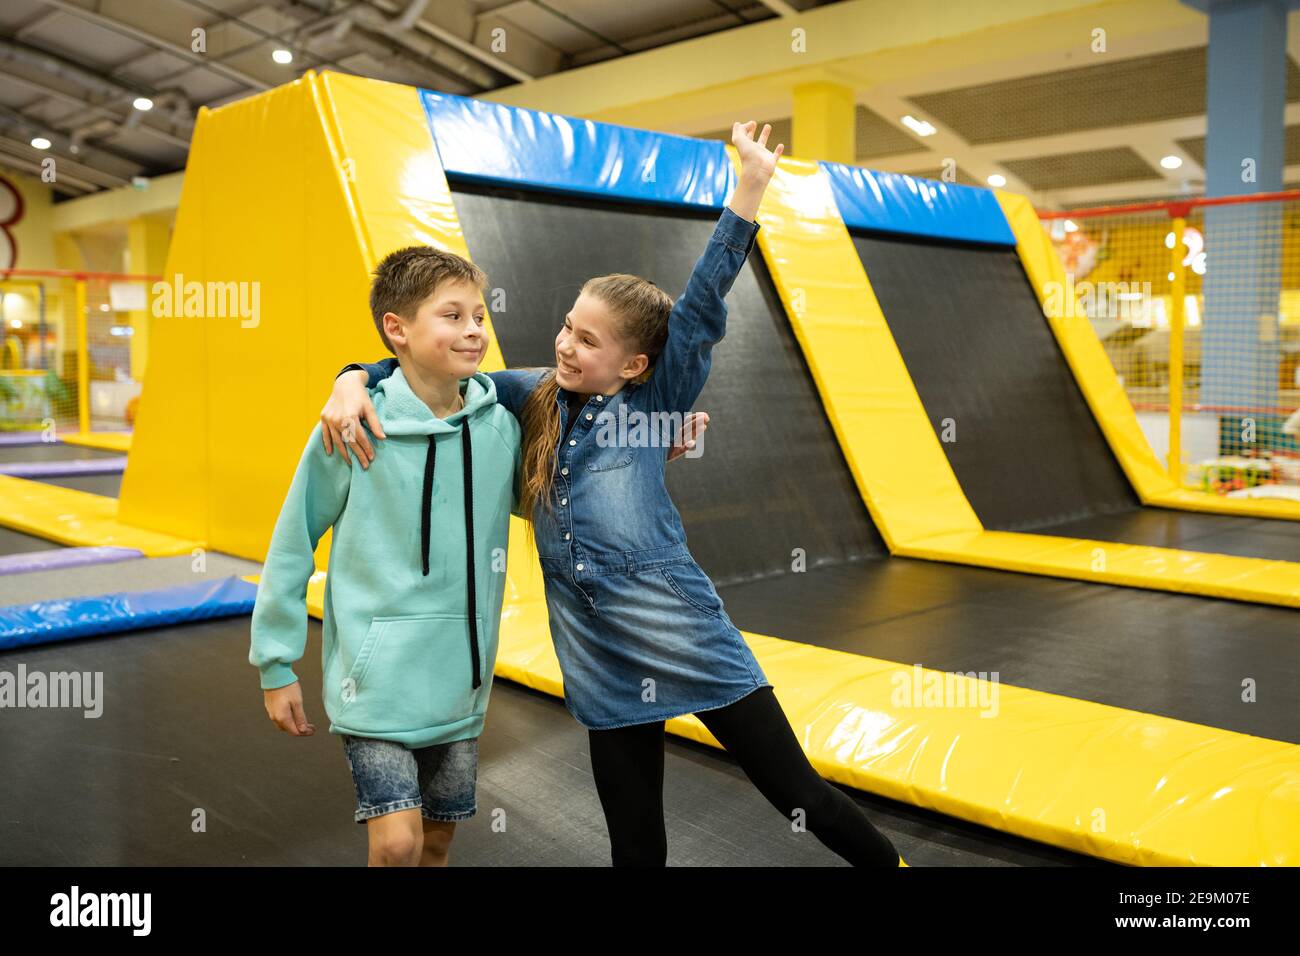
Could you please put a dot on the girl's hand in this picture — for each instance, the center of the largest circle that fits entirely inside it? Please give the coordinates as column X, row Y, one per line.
column 284, row 707
column 756, row 160
column 692, row 429
column 341, row 418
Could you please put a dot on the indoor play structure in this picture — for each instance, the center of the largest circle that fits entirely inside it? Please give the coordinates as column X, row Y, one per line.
column 976, row 510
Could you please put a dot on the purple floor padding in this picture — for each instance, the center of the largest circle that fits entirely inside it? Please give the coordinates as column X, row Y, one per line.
column 58, row 558
column 62, row 469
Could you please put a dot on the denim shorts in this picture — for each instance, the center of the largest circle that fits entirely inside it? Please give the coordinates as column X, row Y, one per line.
column 438, row 780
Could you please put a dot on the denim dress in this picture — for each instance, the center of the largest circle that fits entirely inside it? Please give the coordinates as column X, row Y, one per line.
column 639, row 630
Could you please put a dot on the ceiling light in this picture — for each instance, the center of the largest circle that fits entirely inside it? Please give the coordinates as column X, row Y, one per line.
column 919, row 127
column 282, row 56
column 142, row 103
column 997, row 180
column 1171, row 162
column 40, row 142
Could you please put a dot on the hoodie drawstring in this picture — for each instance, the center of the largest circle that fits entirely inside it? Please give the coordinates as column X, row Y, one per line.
column 426, row 523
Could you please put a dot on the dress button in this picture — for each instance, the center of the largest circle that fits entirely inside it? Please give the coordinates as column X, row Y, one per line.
column 564, row 501
column 564, row 471
column 600, row 398
column 573, row 441
column 588, row 416
column 579, row 566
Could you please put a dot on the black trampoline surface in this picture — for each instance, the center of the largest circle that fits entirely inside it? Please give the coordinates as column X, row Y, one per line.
column 122, row 788
column 15, row 542
column 107, row 485
column 52, row 451
column 1028, row 452
column 1155, row 652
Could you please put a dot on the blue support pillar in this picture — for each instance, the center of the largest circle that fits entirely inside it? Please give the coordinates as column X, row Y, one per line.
column 1244, row 154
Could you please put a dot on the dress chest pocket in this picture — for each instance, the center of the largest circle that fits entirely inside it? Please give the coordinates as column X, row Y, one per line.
column 609, row 450
column 610, row 459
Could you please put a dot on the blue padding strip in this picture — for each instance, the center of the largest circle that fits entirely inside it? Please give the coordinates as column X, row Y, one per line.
column 25, row 625
column 894, row 202
column 489, row 142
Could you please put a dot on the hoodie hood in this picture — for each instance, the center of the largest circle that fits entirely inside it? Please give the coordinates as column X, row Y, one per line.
column 402, row 412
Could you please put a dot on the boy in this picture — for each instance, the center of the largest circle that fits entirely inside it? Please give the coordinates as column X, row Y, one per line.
column 410, row 628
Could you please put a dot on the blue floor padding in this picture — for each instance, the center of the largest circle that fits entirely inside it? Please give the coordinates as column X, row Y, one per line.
column 26, row 625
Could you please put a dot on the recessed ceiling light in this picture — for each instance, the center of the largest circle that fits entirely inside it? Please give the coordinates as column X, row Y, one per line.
column 1171, row 162
column 282, row 56
column 997, row 180
column 40, row 142
column 917, row 126
column 142, row 103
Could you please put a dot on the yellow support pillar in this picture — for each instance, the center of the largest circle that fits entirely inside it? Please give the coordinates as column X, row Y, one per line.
column 823, row 122
column 147, row 240
column 1177, row 296
column 83, row 361
column 59, row 299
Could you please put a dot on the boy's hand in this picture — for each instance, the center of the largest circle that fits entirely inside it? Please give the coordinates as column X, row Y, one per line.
column 756, row 160
column 284, row 707
column 341, row 418
column 692, row 428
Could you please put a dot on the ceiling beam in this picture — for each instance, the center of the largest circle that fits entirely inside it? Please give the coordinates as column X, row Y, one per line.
column 860, row 43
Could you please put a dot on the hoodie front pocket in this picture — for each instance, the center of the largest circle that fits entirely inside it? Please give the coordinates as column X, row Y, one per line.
column 412, row 672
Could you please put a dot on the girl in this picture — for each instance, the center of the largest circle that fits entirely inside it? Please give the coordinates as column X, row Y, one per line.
column 639, row 631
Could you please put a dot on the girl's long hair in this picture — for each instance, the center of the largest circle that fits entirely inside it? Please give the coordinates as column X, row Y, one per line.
column 641, row 310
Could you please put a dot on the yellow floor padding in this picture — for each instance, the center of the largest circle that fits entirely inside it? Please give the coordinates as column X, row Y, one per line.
column 895, row 457
column 1129, row 787
column 108, row 441
column 78, row 518
column 1100, row 384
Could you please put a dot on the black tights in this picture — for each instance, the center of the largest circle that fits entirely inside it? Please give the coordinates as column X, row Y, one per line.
column 628, row 764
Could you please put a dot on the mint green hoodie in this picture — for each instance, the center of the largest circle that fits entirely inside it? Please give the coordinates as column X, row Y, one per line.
column 399, row 644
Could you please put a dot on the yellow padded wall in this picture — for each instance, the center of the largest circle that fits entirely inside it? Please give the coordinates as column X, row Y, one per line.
column 229, row 401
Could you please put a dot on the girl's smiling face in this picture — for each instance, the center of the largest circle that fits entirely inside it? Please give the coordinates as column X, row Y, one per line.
column 590, row 356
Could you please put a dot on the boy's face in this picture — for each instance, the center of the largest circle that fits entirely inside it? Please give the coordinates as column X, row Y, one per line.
column 590, row 357
column 446, row 336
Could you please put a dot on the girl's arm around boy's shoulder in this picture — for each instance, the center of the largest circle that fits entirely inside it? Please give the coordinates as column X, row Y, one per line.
column 314, row 502
column 378, row 371
column 514, row 385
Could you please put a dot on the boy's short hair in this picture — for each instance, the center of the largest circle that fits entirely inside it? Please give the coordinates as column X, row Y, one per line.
column 408, row 276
